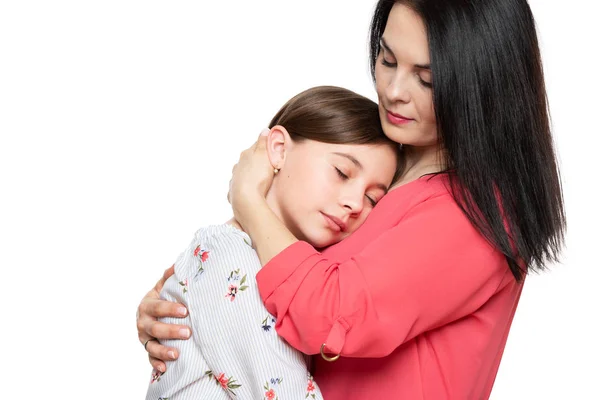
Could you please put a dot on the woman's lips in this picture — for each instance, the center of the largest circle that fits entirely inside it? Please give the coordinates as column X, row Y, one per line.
column 397, row 119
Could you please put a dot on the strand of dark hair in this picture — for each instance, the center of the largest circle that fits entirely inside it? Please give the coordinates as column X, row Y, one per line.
column 493, row 123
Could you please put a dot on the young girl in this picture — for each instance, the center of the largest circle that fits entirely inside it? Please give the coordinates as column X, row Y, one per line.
column 332, row 164
column 419, row 301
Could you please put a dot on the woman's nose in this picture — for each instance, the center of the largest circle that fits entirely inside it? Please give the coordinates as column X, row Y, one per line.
column 397, row 88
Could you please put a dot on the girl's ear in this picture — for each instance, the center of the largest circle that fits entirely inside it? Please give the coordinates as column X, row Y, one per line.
column 278, row 143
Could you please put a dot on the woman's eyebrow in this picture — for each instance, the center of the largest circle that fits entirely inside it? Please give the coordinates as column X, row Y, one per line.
column 383, row 44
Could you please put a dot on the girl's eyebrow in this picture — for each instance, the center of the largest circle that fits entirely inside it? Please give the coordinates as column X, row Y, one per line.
column 349, row 157
column 383, row 44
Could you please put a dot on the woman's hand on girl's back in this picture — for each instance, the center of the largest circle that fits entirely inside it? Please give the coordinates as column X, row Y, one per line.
column 149, row 328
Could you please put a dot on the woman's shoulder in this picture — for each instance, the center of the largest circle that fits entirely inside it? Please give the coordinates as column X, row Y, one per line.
column 419, row 190
column 427, row 208
column 401, row 200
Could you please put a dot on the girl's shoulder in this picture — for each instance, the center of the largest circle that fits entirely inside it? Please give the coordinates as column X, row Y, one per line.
column 221, row 233
column 211, row 244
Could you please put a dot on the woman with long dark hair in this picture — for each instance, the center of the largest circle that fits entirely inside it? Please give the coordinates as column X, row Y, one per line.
column 419, row 301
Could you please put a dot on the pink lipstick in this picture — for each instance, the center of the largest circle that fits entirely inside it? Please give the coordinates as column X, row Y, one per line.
column 397, row 119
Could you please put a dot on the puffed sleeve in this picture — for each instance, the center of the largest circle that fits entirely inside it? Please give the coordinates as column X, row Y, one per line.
column 430, row 269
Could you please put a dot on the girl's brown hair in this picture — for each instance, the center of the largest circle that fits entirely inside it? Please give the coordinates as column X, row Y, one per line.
column 331, row 114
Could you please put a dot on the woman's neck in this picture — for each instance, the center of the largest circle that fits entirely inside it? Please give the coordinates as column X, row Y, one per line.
column 419, row 161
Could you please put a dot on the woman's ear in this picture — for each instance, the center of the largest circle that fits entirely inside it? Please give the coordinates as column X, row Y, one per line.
column 278, row 143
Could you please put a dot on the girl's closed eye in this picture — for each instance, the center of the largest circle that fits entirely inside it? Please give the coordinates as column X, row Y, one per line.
column 371, row 200
column 341, row 174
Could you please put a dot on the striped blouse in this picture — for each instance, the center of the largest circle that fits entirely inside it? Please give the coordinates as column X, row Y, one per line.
column 234, row 351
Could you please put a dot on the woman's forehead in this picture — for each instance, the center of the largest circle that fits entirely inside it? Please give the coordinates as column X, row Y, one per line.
column 405, row 34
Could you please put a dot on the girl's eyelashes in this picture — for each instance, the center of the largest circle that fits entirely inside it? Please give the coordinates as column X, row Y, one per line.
column 341, row 174
column 345, row 177
column 373, row 202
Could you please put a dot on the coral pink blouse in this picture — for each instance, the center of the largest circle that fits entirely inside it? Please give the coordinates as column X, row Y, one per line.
column 417, row 302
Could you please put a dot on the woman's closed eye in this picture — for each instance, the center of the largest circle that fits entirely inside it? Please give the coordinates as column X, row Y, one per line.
column 392, row 64
column 387, row 63
column 423, row 82
column 385, row 51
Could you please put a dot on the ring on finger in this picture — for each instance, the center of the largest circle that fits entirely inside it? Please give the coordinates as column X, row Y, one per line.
column 146, row 342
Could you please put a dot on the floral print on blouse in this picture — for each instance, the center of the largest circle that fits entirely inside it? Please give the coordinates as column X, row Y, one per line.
column 234, row 352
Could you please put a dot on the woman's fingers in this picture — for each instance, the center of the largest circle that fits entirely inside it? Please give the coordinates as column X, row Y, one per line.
column 166, row 275
column 153, row 307
column 158, row 352
column 229, row 192
column 149, row 310
column 229, row 187
column 265, row 132
column 157, row 364
column 149, row 328
column 160, row 330
column 252, row 173
column 259, row 145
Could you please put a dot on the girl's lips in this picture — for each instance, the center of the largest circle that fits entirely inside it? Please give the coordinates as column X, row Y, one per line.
column 334, row 223
column 397, row 119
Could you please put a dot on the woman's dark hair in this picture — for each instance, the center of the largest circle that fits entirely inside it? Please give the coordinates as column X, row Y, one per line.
column 493, row 123
column 331, row 114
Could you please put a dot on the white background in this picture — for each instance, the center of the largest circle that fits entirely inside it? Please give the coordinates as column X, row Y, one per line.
column 120, row 122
